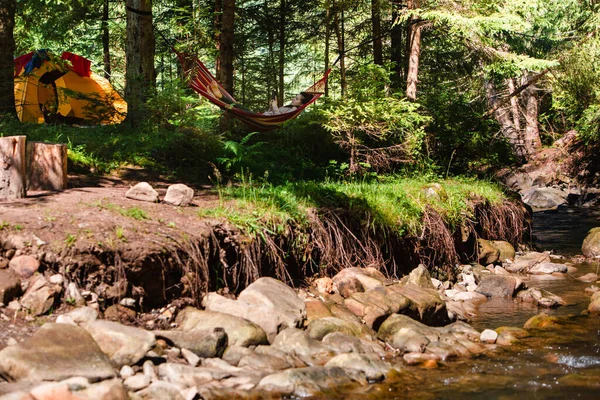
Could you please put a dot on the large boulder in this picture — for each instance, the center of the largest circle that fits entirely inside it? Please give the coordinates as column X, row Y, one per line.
column 591, row 243
column 547, row 268
column 544, row 198
column 306, row 382
column 240, row 331
column 497, row 286
column 375, row 370
column 179, row 195
column 507, row 251
column 424, row 304
column 297, row 342
column 320, row 328
column 488, row 253
column 56, row 352
column 143, row 191
column 125, row 345
column 205, row 343
column 24, row 266
column 40, row 296
column 352, row 280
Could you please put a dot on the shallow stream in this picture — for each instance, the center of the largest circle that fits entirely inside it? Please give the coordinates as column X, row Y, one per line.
column 562, row 363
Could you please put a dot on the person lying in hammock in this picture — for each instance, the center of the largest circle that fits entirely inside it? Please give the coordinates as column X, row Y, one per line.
column 299, row 100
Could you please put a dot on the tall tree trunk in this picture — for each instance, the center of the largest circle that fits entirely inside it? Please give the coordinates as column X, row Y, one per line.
column 532, row 132
column 281, row 72
column 502, row 114
column 376, row 22
column 7, row 50
column 413, row 37
column 270, row 70
column 339, row 33
column 514, row 105
column 106, row 40
column 327, row 38
column 140, row 75
column 226, row 75
column 217, row 22
column 396, row 47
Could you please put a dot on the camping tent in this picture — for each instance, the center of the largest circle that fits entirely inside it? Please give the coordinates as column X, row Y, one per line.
column 50, row 88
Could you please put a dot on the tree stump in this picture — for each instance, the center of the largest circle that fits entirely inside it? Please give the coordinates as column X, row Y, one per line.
column 46, row 166
column 12, row 167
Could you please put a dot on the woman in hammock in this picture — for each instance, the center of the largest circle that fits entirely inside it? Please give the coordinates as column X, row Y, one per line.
column 300, row 99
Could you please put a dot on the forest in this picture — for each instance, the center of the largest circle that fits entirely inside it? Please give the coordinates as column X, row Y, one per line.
column 438, row 87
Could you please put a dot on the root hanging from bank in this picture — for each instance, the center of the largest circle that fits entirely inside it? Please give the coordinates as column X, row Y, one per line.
column 508, row 221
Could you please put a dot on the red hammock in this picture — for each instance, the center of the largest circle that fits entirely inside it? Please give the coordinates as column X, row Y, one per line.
column 200, row 79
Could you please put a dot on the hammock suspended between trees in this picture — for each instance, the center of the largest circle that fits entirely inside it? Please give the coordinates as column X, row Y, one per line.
column 202, row 81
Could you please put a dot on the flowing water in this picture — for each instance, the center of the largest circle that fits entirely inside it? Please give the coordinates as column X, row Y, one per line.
column 561, row 363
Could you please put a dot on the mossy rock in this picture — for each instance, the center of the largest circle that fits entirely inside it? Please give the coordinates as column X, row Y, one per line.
column 591, row 243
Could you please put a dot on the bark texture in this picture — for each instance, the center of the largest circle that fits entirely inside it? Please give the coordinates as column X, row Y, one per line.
column 7, row 49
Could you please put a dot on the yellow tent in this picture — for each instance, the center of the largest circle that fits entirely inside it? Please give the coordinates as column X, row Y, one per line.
column 49, row 89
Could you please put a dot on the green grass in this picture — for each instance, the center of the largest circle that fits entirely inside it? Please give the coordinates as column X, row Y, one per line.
column 396, row 203
column 131, row 212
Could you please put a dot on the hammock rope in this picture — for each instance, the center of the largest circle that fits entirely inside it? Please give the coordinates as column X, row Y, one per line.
column 201, row 80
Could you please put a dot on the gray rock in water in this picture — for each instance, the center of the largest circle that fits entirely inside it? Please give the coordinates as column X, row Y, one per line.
column 40, row 296
column 125, row 345
column 497, row 286
column 375, row 370
column 143, row 191
column 544, row 198
column 160, row 391
column 424, row 304
column 541, row 298
column 179, row 195
column 406, row 334
column 56, row 352
column 526, row 261
column 10, row 286
column 547, row 268
column 205, row 343
column 305, row 382
column 591, row 243
column 240, row 331
column 295, row 341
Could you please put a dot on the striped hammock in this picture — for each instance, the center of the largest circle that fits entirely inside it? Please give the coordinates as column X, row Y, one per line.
column 203, row 82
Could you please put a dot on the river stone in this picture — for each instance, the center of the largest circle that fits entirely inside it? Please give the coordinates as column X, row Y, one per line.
column 540, row 297
column 488, row 253
column 461, row 310
column 497, row 286
column 547, row 268
column 56, row 352
column 205, row 343
column 179, row 195
column 233, row 354
column 10, row 285
column 424, row 304
column 543, row 322
column 240, row 331
column 24, row 266
column 292, row 359
column 184, row 375
column 371, row 306
column 544, row 198
column 375, row 370
column 125, row 345
column 305, row 382
column 488, row 336
column 160, row 390
column 353, row 280
column 324, row 285
column 40, row 296
column 143, row 191
column 461, row 330
column 406, row 334
column 419, row 277
column 507, row 251
column 594, row 306
column 591, row 277
column 137, row 382
column 458, row 295
column 262, row 316
column 508, row 335
column 343, row 343
column 591, row 243
column 297, row 342
column 316, row 309
column 320, row 328
column 264, row 362
column 83, row 315
column 526, row 261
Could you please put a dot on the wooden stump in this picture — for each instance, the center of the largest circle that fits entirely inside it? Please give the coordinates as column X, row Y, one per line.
column 12, row 167
column 46, row 166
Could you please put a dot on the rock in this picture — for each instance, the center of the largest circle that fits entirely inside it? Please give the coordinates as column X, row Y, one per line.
column 297, row 342
column 420, row 358
column 497, row 286
column 375, row 370
column 56, row 352
column 52, row 391
column 57, row 279
column 372, row 306
column 160, row 391
column 143, row 191
column 316, row 309
column 125, row 345
column 544, row 198
column 83, row 315
column 540, row 297
column 185, row 375
column 594, row 306
column 10, row 286
column 320, row 328
column 474, row 297
column 126, row 372
column 591, row 243
column 240, row 331
column 40, row 296
column 233, row 354
column 324, row 285
column 73, row 295
column 547, row 268
column 179, row 195
column 406, row 334
column 137, row 382
column 149, row 370
column 507, row 251
column 24, row 266
column 526, row 261
column 119, row 313
column 508, row 335
column 591, row 277
column 264, row 362
column 354, row 280
column 488, row 253
column 205, row 343
column 107, row 390
column 343, row 343
column 419, row 277
column 424, row 304
column 543, row 322
column 488, row 336
column 305, row 382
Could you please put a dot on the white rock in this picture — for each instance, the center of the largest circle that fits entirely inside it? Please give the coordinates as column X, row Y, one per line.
column 488, row 336
column 65, row 319
column 11, row 342
column 57, row 279
column 137, row 382
column 149, row 370
column 126, row 372
column 142, row 191
column 179, row 195
column 128, row 302
column 190, row 357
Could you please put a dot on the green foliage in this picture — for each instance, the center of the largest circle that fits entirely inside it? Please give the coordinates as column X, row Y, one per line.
column 589, row 125
column 239, row 156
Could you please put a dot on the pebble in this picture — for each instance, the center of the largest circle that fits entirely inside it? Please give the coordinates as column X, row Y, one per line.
column 488, row 336
column 190, row 357
column 149, row 370
column 137, row 382
column 126, row 372
column 57, row 279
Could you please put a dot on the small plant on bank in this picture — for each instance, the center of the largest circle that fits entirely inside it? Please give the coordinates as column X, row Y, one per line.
column 70, row 240
column 120, row 233
column 135, row 213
